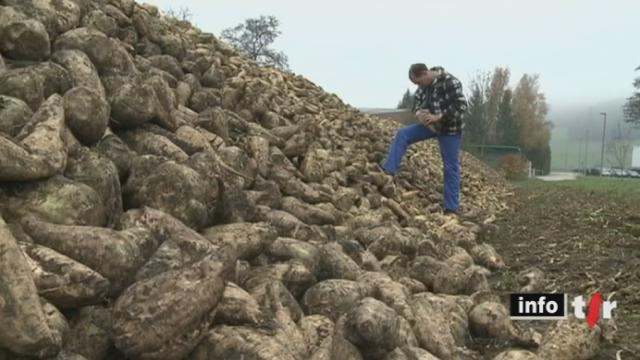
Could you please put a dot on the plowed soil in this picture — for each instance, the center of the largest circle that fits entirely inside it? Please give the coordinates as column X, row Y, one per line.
column 584, row 241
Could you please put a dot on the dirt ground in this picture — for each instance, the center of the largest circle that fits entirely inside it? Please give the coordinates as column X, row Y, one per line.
column 584, row 241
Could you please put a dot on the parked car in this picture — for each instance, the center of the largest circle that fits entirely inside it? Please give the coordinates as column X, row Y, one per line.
column 618, row 172
column 593, row 171
column 606, row 172
column 634, row 174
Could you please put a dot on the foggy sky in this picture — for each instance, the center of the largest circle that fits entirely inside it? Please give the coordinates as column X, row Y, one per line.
column 584, row 50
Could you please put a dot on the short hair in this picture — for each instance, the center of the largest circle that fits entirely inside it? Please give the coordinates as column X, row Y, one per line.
column 417, row 69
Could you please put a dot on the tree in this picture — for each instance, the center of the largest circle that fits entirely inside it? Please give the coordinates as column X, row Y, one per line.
column 632, row 107
column 182, row 14
column 476, row 117
column 530, row 109
column 618, row 152
column 407, row 100
column 619, row 148
column 254, row 38
column 540, row 158
column 506, row 123
column 495, row 91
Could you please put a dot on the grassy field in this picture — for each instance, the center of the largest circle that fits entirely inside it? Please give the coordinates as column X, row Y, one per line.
column 621, row 188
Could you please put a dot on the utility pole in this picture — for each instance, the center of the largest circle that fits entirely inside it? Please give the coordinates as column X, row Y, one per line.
column 586, row 149
column 604, row 129
column 580, row 165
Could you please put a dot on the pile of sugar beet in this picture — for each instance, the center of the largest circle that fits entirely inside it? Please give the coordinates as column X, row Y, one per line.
column 162, row 197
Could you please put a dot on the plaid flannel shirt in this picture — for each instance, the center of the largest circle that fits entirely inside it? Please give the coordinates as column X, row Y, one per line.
column 444, row 96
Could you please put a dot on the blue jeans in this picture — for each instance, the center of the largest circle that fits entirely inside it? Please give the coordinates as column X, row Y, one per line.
column 449, row 150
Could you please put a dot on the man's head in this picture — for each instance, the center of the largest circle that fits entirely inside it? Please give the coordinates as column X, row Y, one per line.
column 419, row 74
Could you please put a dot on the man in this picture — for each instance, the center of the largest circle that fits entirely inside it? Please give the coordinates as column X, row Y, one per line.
column 439, row 107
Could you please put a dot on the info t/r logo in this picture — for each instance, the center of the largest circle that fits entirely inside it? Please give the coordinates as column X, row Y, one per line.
column 554, row 307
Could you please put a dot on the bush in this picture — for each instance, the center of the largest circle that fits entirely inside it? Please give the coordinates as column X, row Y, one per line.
column 513, row 166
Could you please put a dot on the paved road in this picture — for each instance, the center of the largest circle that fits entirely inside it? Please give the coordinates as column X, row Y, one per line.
column 559, row 176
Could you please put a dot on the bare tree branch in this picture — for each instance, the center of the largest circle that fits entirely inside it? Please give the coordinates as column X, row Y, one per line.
column 182, row 14
column 254, row 37
column 619, row 149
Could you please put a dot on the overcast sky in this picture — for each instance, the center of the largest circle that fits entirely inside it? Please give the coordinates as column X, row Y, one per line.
column 584, row 50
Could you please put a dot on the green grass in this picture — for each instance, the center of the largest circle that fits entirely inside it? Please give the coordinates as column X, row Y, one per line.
column 628, row 189
column 525, row 181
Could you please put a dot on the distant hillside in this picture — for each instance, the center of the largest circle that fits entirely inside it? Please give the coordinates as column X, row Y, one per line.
column 573, row 120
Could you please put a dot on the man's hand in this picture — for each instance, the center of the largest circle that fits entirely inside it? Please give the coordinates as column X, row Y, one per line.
column 422, row 116
column 428, row 118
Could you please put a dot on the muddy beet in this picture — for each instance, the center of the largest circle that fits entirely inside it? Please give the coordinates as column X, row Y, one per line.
column 164, row 197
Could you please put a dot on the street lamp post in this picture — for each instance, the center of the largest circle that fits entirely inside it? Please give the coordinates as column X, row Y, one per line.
column 586, row 150
column 604, row 128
